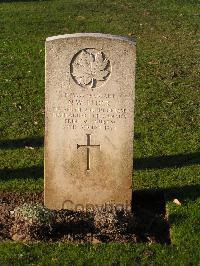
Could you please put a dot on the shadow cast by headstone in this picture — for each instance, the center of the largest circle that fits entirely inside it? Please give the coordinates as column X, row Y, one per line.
column 34, row 172
column 159, row 196
column 150, row 213
column 167, row 161
column 187, row 192
column 149, row 200
column 149, row 208
column 34, row 142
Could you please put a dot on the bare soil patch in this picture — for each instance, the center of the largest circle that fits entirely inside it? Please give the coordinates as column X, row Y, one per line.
column 146, row 223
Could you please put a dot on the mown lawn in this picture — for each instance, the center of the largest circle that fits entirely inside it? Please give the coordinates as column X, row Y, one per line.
column 167, row 122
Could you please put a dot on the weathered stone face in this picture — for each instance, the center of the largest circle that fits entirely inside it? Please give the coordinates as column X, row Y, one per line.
column 89, row 120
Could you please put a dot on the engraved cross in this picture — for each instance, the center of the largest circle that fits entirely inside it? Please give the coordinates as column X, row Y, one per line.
column 88, row 146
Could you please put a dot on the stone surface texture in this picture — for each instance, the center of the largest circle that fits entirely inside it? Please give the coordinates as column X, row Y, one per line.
column 89, row 103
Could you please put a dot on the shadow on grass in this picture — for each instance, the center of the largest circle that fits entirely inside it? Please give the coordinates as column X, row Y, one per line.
column 167, row 161
column 181, row 193
column 34, row 172
column 191, row 192
column 158, row 162
column 150, row 212
column 154, row 202
column 34, row 142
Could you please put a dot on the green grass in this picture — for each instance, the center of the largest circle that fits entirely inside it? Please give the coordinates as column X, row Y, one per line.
column 167, row 123
column 104, row 254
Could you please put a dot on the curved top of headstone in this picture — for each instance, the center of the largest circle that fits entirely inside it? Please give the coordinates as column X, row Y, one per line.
column 95, row 35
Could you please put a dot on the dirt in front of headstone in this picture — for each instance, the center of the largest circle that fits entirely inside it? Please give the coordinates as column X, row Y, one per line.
column 146, row 223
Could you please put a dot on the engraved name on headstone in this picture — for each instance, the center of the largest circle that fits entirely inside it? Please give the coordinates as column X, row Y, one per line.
column 89, row 103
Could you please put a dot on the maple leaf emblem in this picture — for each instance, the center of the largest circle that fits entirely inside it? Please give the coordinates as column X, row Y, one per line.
column 89, row 67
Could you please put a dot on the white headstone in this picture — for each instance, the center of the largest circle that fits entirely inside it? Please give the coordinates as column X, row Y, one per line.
column 89, row 120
